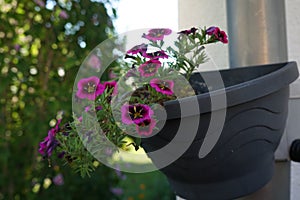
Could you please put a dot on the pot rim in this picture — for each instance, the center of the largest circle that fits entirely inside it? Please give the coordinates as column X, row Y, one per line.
column 283, row 75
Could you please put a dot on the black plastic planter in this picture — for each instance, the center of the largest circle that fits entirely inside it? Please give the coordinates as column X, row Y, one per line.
column 242, row 160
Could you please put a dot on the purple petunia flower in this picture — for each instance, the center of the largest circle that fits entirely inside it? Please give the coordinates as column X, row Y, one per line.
column 142, row 48
column 116, row 191
column 58, row 179
column 97, row 108
column 87, row 108
column 212, row 30
column 223, row 37
column 155, row 55
column 149, row 68
column 218, row 34
column 146, row 127
column 89, row 88
column 189, row 31
column 157, row 34
column 164, row 87
column 112, row 75
column 131, row 73
column 49, row 143
column 135, row 113
column 94, row 62
column 111, row 84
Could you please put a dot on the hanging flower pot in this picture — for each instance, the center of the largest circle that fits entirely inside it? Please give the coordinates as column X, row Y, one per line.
column 213, row 134
column 240, row 158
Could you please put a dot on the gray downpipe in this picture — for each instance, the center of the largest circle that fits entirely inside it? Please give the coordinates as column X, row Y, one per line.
column 257, row 32
column 257, row 35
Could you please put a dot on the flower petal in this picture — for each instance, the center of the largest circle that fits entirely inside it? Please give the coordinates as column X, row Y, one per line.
column 146, row 127
column 149, row 68
column 89, row 88
column 162, row 86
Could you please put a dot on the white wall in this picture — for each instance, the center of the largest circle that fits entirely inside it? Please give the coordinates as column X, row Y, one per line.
column 206, row 13
column 293, row 36
column 293, row 29
column 141, row 14
column 293, row 39
column 213, row 12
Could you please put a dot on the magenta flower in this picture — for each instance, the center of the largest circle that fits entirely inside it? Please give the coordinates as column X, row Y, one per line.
column 63, row 14
column 142, row 48
column 135, row 113
column 58, row 179
column 98, row 108
column 223, row 37
column 146, row 127
column 218, row 34
column 112, row 75
column 149, row 68
column 156, row 55
column 157, row 34
column 94, row 62
column 212, row 30
column 164, row 87
column 189, row 31
column 87, row 108
column 111, row 85
column 89, row 88
column 49, row 143
column 131, row 73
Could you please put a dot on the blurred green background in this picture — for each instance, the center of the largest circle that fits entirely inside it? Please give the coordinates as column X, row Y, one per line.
column 42, row 45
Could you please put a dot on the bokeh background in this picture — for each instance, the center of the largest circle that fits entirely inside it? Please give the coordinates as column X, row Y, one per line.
column 42, row 45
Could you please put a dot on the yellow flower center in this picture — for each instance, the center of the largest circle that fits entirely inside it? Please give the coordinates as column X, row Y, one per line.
column 90, row 88
column 136, row 113
column 163, row 85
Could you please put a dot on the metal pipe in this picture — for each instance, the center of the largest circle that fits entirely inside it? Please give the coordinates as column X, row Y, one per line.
column 257, row 35
column 257, row 32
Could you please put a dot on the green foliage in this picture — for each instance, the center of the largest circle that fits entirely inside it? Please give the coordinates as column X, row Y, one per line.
column 75, row 154
column 147, row 186
column 190, row 52
column 144, row 80
column 41, row 49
